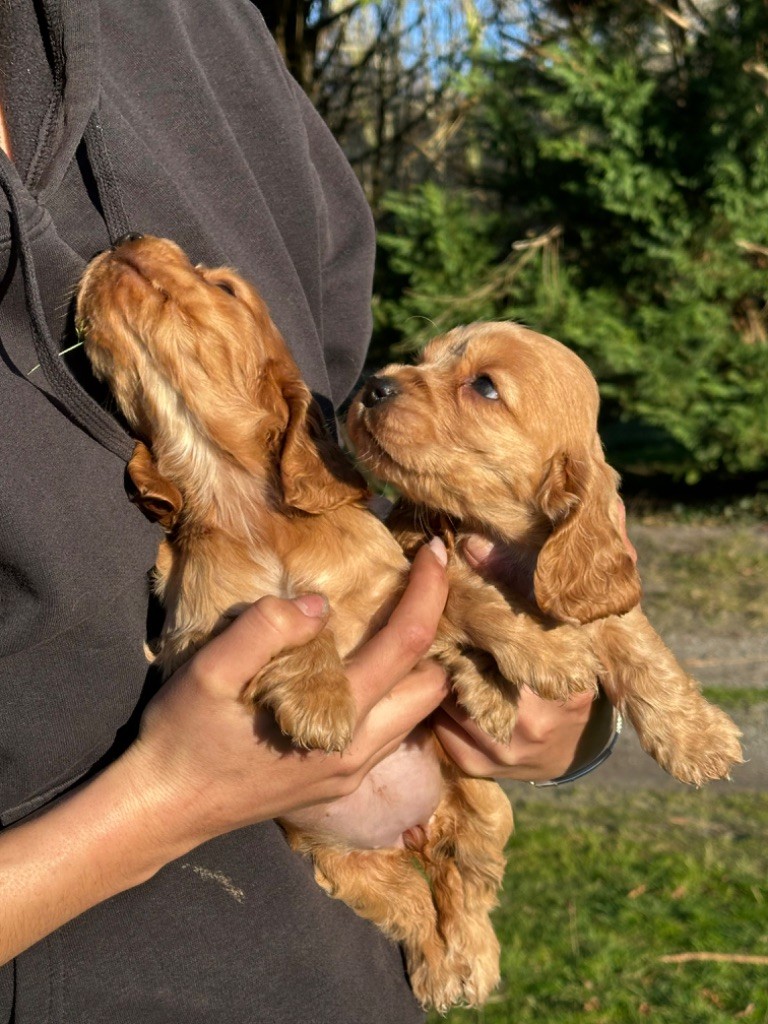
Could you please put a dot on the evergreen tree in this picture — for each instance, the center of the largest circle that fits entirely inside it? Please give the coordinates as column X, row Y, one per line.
column 618, row 199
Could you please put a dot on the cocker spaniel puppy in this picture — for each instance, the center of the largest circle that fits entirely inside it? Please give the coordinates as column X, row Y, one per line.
column 495, row 430
column 233, row 462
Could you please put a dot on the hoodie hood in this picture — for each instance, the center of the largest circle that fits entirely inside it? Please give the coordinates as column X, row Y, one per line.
column 62, row 116
column 179, row 119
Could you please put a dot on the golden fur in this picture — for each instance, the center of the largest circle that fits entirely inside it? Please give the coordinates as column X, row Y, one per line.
column 496, row 427
column 232, row 461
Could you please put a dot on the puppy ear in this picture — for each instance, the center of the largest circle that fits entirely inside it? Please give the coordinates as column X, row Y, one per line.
column 314, row 474
column 583, row 572
column 159, row 499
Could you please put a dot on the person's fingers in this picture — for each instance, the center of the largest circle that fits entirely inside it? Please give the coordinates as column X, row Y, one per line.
column 409, row 702
column 397, row 714
column 494, row 562
column 477, row 549
column 408, row 635
column 541, row 721
column 544, row 743
column 486, row 557
column 461, row 748
column 262, row 631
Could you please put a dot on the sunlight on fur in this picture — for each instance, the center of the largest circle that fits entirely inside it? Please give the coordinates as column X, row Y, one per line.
column 492, row 432
column 497, row 427
column 232, row 461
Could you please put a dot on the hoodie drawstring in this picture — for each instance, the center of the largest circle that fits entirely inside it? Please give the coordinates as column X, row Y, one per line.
column 86, row 412
column 107, row 184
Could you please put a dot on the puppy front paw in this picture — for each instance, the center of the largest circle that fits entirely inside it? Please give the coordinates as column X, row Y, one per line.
column 321, row 719
column 487, row 697
column 554, row 663
column 496, row 718
column 308, row 691
column 698, row 745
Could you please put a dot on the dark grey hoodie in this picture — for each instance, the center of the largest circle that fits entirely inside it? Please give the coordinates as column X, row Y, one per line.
column 175, row 118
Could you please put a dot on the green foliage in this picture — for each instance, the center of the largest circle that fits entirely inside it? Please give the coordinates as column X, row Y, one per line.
column 648, row 153
column 438, row 246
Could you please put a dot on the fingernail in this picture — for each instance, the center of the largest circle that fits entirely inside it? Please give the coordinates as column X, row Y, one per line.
column 314, row 606
column 478, row 548
column 437, row 548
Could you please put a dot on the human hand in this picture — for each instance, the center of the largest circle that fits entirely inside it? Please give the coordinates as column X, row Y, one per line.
column 549, row 738
column 211, row 764
column 204, row 763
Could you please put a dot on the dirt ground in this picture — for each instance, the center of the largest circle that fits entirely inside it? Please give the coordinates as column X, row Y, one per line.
column 706, row 591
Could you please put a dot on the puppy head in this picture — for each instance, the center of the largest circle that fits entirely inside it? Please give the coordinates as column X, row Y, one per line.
column 202, row 375
column 497, row 425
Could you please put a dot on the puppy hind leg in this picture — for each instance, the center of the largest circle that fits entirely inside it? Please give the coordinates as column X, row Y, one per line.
column 308, row 690
column 464, row 858
column 690, row 738
column 388, row 888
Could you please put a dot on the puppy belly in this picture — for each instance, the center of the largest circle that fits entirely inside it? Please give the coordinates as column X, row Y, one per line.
column 399, row 794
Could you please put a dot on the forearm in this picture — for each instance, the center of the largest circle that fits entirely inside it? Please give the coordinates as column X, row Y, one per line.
column 205, row 763
column 107, row 836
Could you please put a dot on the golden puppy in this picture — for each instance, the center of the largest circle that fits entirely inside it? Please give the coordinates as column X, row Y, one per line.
column 256, row 501
column 496, row 426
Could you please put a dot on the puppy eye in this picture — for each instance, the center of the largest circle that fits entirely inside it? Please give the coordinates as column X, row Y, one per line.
column 225, row 287
column 484, row 386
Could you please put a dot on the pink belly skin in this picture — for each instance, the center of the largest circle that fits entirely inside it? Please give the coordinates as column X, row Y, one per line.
column 399, row 794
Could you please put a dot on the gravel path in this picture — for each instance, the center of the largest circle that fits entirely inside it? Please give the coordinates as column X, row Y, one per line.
column 732, row 661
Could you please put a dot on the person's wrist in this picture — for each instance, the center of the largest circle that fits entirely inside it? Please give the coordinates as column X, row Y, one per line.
column 596, row 745
column 161, row 820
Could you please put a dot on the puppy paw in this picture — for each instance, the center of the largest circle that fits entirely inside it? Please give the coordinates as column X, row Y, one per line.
column 496, row 718
column 482, row 978
column 437, row 986
column 465, row 976
column 711, row 752
column 323, row 719
column 701, row 746
column 308, row 691
column 560, row 662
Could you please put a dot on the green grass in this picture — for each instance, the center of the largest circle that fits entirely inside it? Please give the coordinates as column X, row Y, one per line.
column 735, row 697
column 599, row 888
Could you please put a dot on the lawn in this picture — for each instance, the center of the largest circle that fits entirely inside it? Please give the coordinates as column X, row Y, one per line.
column 600, row 888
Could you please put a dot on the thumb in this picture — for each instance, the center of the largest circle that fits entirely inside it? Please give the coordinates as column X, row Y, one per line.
column 477, row 549
column 261, row 632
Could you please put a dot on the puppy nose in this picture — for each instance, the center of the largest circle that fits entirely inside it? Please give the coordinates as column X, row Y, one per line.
column 132, row 236
column 378, row 389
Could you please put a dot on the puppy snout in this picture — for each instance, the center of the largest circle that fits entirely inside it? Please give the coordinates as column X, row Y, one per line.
column 132, row 236
column 378, row 390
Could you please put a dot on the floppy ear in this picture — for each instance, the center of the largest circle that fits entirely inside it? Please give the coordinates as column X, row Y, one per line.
column 158, row 498
column 583, row 572
column 314, row 474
